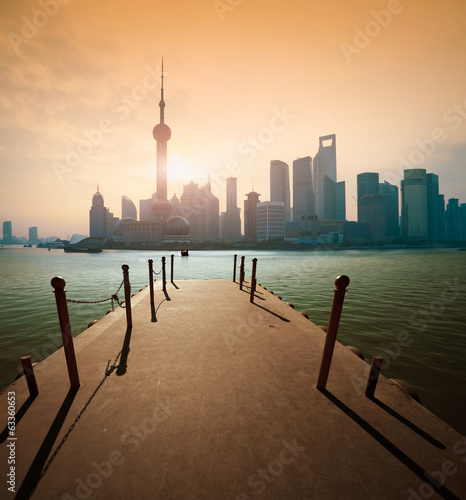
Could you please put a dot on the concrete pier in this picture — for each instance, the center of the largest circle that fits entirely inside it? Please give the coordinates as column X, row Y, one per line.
column 217, row 399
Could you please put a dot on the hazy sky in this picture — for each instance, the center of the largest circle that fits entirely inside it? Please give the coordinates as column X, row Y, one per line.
column 246, row 82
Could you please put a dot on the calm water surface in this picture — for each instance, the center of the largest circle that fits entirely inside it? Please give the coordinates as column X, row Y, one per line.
column 418, row 293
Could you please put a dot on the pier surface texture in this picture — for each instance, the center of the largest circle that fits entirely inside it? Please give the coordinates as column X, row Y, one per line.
column 217, row 399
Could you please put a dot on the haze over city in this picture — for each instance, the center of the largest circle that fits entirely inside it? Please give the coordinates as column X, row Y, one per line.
column 246, row 82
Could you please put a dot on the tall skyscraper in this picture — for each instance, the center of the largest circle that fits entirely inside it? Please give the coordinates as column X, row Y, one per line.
column 367, row 183
column 161, row 207
column 280, row 185
column 33, row 238
column 435, row 208
column 128, row 208
column 7, row 233
column 231, row 221
column 250, row 216
column 98, row 216
column 329, row 195
column 453, row 220
column 372, row 213
column 270, row 220
column 303, row 193
column 101, row 220
column 414, row 204
column 389, row 193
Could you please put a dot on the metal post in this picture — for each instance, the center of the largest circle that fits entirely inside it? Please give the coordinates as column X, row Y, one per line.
column 241, row 273
column 64, row 319
column 29, row 374
column 171, row 268
column 164, row 276
column 341, row 283
column 129, row 319
column 151, row 280
column 234, row 267
column 373, row 376
column 253, row 280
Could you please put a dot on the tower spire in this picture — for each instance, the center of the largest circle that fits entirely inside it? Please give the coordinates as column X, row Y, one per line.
column 162, row 102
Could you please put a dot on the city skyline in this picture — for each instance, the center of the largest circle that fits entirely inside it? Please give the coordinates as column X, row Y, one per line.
column 385, row 78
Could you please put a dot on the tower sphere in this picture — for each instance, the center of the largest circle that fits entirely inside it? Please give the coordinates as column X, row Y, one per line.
column 162, row 132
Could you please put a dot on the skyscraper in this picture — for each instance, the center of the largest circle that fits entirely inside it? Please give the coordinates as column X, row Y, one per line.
column 414, row 204
column 389, row 193
column 250, row 216
column 435, row 208
column 280, row 185
column 33, row 238
column 7, row 232
column 303, row 193
column 128, row 208
column 161, row 207
column 453, row 220
column 231, row 221
column 329, row 195
column 270, row 220
column 98, row 216
column 367, row 183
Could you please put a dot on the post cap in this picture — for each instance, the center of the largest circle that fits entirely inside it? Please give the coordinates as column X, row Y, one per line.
column 125, row 267
column 342, row 281
column 58, row 283
column 150, row 261
column 255, row 259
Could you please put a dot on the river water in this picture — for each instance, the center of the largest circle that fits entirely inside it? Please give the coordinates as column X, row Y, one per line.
column 418, row 294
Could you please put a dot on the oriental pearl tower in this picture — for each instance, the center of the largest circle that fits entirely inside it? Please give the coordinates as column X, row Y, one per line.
column 161, row 207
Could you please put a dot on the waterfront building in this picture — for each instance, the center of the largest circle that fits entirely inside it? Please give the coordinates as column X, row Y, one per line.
column 250, row 216
column 33, row 237
column 435, row 208
column 443, row 223
column 98, row 216
column 372, row 213
column 145, row 210
column 201, row 209
column 231, row 221
column 414, row 204
column 128, row 208
column 280, row 185
column 390, row 196
column 367, row 183
column 303, row 192
column 453, row 220
column 462, row 218
column 270, row 220
column 7, row 232
column 324, row 165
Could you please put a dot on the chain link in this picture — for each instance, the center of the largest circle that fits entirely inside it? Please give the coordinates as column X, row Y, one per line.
column 114, row 297
column 158, row 272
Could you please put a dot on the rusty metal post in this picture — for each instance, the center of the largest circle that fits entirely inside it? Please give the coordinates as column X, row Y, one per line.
column 241, row 273
column 253, row 280
column 234, row 267
column 341, row 283
column 171, row 268
column 373, row 376
column 164, row 276
column 151, row 280
column 129, row 319
column 29, row 375
column 65, row 327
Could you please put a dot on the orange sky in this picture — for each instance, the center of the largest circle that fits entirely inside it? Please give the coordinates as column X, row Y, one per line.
column 384, row 76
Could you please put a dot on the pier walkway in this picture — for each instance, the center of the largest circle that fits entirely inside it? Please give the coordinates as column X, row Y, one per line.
column 217, row 399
